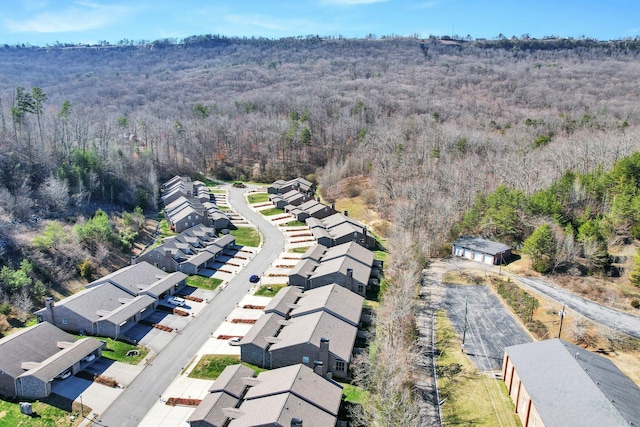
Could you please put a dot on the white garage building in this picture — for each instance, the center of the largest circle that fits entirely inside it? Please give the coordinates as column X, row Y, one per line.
column 481, row 250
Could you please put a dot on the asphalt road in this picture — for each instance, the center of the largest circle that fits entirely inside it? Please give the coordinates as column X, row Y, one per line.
column 490, row 326
column 602, row 315
column 136, row 400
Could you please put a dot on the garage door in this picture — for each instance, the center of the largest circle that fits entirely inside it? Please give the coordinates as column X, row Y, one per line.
column 478, row 256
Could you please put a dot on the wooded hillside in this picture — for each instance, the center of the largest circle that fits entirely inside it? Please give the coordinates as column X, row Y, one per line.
column 432, row 123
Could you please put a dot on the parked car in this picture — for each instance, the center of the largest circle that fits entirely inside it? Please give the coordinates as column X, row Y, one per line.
column 234, row 341
column 89, row 358
column 254, row 278
column 66, row 374
column 176, row 301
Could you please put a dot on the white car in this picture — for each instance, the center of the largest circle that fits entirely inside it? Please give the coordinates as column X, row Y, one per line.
column 89, row 358
column 234, row 341
column 66, row 374
column 176, row 301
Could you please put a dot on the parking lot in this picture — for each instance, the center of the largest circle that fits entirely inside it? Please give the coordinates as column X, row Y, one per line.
column 490, row 326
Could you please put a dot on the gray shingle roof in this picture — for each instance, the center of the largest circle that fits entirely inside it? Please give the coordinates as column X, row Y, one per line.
column 63, row 359
column 481, row 245
column 210, row 409
column 39, row 343
column 266, row 326
column 571, row 386
column 230, row 380
column 141, row 277
column 312, row 327
column 301, row 381
column 279, row 410
column 333, row 299
column 88, row 303
column 282, row 301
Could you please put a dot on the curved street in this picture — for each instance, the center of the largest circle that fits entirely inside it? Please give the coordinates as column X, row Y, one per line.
column 612, row 318
column 135, row 401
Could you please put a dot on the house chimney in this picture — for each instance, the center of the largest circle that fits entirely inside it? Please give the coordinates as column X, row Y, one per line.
column 324, row 355
column 318, row 367
column 333, row 206
column 48, row 313
column 296, row 422
column 346, row 213
column 350, row 279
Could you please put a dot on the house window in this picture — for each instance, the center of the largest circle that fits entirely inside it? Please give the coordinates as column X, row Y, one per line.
column 340, row 365
column 524, row 404
column 159, row 256
column 196, row 216
column 360, row 289
column 305, row 359
column 39, row 318
column 535, row 421
column 65, row 321
column 189, row 217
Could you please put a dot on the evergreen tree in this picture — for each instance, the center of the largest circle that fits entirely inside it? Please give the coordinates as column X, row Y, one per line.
column 541, row 247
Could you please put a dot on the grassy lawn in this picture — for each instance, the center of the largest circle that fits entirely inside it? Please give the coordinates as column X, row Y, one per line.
column 165, row 231
column 258, row 198
column 216, row 191
column 246, row 236
column 354, row 394
column 209, row 283
column 272, row 211
column 211, row 366
column 472, row 398
column 44, row 413
column 295, row 224
column 380, row 255
column 268, row 291
column 299, row 250
column 117, row 350
column 223, row 208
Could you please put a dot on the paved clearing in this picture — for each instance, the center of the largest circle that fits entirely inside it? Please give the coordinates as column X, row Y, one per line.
column 490, row 326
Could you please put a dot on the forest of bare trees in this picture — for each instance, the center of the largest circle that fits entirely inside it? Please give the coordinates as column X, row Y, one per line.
column 430, row 125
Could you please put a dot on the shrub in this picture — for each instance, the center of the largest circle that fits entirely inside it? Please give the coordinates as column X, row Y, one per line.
column 86, row 269
column 5, row 308
column 635, row 303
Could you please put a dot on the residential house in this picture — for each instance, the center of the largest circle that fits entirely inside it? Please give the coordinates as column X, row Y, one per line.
column 185, row 213
column 310, row 209
column 338, row 228
column 481, row 250
column 316, row 328
column 289, row 199
column 554, row 383
column 31, row 359
column 300, row 184
column 110, row 305
column 179, row 186
column 349, row 265
column 190, row 251
column 289, row 396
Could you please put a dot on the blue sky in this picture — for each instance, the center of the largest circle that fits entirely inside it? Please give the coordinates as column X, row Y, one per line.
column 41, row 22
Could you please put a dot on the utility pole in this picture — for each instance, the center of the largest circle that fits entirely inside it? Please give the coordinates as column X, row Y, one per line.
column 561, row 313
column 464, row 329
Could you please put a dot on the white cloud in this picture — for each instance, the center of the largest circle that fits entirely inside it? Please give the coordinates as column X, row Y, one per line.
column 81, row 16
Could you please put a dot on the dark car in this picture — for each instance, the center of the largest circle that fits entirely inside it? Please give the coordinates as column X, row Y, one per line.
column 254, row 278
